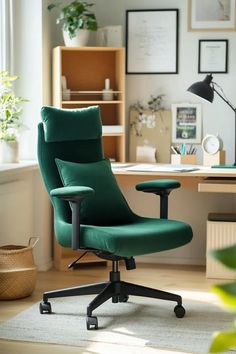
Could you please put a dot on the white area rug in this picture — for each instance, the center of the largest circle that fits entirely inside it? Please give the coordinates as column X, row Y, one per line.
column 141, row 323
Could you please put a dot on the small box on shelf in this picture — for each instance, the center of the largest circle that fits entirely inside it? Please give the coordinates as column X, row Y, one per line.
column 183, row 159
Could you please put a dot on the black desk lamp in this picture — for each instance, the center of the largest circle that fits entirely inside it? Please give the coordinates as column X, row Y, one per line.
column 205, row 89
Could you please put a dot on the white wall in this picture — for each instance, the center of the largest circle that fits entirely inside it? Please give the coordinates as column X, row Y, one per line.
column 217, row 117
column 45, row 34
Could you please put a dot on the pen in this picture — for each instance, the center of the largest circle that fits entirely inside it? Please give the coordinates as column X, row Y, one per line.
column 174, row 150
column 190, row 151
column 183, row 149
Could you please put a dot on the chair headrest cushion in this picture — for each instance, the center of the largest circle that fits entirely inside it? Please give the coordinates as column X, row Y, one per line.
column 71, row 124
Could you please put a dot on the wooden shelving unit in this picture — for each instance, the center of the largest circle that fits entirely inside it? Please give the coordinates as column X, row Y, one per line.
column 85, row 70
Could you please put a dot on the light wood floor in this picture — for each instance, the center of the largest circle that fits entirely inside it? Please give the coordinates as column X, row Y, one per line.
column 185, row 280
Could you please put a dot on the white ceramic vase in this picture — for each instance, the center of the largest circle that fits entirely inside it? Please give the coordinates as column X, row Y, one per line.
column 9, row 151
column 80, row 40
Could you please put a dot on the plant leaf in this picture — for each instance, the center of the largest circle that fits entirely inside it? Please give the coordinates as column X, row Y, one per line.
column 51, row 6
column 226, row 256
column 223, row 341
column 227, row 293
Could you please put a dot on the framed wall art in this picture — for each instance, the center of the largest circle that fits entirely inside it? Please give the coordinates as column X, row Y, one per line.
column 211, row 15
column 213, row 56
column 186, row 123
column 152, row 41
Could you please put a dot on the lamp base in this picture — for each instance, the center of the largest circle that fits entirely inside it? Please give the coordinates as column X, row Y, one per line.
column 224, row 166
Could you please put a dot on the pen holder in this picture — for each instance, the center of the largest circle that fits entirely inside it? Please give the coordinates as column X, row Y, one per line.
column 177, row 159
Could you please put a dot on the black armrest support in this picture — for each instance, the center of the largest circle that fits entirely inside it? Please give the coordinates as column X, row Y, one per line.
column 162, row 188
column 74, row 195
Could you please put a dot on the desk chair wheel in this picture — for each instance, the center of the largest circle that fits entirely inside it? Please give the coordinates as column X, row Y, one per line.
column 45, row 307
column 179, row 311
column 123, row 298
column 92, row 322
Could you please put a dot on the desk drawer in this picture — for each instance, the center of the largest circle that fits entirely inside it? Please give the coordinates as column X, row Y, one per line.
column 217, row 186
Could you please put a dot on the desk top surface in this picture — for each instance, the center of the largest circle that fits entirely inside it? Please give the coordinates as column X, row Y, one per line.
column 172, row 170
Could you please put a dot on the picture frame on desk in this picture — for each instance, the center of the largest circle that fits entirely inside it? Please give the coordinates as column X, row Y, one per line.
column 211, row 15
column 213, row 56
column 186, row 123
column 152, row 41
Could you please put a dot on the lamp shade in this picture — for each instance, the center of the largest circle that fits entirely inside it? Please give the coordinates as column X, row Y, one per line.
column 203, row 89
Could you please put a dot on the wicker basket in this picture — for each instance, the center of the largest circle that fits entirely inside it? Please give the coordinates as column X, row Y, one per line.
column 17, row 271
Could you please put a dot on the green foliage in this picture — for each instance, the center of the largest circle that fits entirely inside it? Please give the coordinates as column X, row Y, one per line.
column 75, row 16
column 224, row 341
column 10, row 108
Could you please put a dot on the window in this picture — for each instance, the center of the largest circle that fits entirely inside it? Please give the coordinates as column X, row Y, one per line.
column 5, row 35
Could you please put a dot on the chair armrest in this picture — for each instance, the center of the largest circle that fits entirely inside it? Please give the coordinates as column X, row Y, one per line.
column 162, row 188
column 74, row 195
column 158, row 186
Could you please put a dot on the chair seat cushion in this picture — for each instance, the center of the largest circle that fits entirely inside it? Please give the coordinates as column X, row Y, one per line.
column 142, row 236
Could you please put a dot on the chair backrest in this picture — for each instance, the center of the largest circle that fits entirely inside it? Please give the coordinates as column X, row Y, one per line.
column 74, row 136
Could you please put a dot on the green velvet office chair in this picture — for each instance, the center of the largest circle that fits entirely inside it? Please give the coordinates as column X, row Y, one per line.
column 90, row 212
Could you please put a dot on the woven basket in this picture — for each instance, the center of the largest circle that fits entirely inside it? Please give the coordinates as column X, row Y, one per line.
column 17, row 271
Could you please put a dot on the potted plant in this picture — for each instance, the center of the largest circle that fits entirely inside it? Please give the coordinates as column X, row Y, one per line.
column 77, row 21
column 10, row 118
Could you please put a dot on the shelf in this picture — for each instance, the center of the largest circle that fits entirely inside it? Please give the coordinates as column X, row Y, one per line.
column 85, row 87
column 112, row 130
column 91, row 92
column 91, row 102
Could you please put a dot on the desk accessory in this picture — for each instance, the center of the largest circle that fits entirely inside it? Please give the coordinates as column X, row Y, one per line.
column 107, row 92
column 211, row 144
column 212, row 150
column 205, row 89
column 177, row 159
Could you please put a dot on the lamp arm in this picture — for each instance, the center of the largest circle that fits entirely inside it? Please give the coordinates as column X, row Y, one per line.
column 234, row 109
column 225, row 100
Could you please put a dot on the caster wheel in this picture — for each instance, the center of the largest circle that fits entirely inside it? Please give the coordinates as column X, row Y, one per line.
column 115, row 299
column 123, row 298
column 45, row 307
column 179, row 311
column 92, row 322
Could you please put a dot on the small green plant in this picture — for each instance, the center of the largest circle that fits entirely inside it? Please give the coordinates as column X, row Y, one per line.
column 76, row 16
column 226, row 340
column 10, row 108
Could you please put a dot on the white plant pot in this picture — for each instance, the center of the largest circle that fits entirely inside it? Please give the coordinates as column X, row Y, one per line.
column 9, row 151
column 80, row 40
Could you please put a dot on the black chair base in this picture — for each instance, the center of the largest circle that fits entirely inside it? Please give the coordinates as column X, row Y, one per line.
column 114, row 289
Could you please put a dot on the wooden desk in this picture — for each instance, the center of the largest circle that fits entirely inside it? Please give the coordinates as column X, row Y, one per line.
column 186, row 204
column 218, row 180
